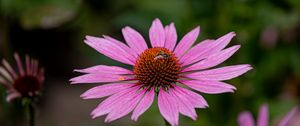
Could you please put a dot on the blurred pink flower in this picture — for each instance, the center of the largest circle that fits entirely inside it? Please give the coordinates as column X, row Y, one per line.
column 24, row 82
column 269, row 37
column 246, row 119
column 164, row 69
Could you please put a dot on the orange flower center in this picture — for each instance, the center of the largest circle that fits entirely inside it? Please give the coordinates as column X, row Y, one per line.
column 157, row 67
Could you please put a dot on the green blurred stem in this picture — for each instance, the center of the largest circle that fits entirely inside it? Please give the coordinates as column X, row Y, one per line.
column 31, row 114
column 167, row 123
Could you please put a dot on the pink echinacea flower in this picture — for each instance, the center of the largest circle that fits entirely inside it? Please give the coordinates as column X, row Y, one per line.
column 164, row 69
column 23, row 82
column 246, row 119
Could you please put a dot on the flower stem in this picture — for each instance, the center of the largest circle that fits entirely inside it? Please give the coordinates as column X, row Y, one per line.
column 31, row 114
column 167, row 123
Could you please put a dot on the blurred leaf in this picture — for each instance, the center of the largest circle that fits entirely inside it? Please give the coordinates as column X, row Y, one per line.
column 46, row 17
column 40, row 13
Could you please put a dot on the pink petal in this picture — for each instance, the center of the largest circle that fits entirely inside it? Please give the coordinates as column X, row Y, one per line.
column 285, row 120
column 36, row 67
column 144, row 104
column 186, row 42
column 32, row 63
column 5, row 84
column 40, row 75
column 104, row 69
column 33, row 66
column 19, row 63
column 9, row 68
column 263, row 116
column 167, row 107
column 109, row 104
column 3, row 81
column 197, row 53
column 223, row 73
column 246, row 119
column 209, row 87
column 124, row 47
column 223, row 41
column 124, row 106
column 5, row 74
column 200, row 52
column 96, row 78
column 104, row 90
column 197, row 100
column 214, row 59
column 109, row 49
column 171, row 37
column 157, row 34
column 185, row 107
column 134, row 39
column 28, row 65
column 12, row 95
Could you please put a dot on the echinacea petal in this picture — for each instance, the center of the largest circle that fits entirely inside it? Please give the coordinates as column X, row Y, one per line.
column 157, row 34
column 185, row 107
column 36, row 67
column 109, row 103
column 134, row 39
column 219, row 74
column 263, row 116
column 197, row 53
column 171, row 37
column 167, row 107
column 9, row 68
column 203, row 50
column 28, row 65
column 109, row 49
column 124, row 47
column 4, row 82
column 223, row 41
column 285, row 120
column 209, row 87
column 124, row 106
column 186, row 42
column 32, row 65
column 96, row 78
column 5, row 74
column 197, row 100
column 214, row 59
column 104, row 90
column 104, row 69
column 19, row 63
column 246, row 119
column 40, row 75
column 143, row 105
column 12, row 95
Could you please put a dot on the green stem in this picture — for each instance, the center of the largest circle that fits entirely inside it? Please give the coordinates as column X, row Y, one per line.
column 31, row 114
